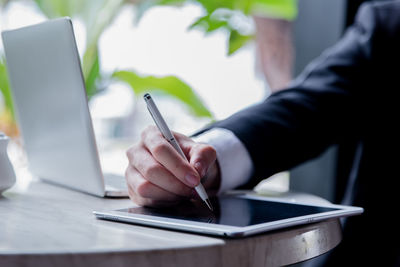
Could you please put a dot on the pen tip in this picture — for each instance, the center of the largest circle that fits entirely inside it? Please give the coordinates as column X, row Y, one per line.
column 209, row 205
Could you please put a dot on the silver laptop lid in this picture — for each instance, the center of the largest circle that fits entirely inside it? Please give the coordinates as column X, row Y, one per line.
column 51, row 105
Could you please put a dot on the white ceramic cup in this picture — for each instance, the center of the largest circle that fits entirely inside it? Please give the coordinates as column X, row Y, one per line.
column 7, row 174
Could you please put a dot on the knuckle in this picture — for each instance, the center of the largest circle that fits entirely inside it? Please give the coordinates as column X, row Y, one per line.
column 130, row 153
column 130, row 175
column 151, row 171
column 147, row 131
column 208, row 152
column 138, row 196
column 160, row 148
column 181, row 137
column 211, row 151
column 130, row 172
column 143, row 189
column 207, row 149
column 144, row 133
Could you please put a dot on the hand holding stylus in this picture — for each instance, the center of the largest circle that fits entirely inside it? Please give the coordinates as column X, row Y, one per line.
column 157, row 175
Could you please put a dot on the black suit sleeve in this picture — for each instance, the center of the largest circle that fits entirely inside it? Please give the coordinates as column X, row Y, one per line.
column 320, row 107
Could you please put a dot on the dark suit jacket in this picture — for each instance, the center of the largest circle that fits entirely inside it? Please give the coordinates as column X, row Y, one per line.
column 349, row 93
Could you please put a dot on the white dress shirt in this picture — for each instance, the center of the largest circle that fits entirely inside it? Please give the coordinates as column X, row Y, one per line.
column 234, row 160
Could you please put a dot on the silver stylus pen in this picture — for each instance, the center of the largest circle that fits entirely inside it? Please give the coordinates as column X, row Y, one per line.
column 163, row 127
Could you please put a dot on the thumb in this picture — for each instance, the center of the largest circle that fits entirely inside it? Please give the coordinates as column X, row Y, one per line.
column 202, row 156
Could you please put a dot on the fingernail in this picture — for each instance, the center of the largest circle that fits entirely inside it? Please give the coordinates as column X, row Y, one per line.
column 192, row 179
column 199, row 168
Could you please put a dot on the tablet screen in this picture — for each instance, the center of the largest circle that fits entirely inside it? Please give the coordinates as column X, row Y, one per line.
column 232, row 210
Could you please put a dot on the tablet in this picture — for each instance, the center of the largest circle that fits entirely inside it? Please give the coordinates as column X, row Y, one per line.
column 233, row 215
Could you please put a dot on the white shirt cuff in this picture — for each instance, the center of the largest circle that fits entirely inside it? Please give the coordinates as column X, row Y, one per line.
column 234, row 160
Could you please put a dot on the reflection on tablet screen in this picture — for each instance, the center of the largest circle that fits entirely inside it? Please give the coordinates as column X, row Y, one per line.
column 231, row 210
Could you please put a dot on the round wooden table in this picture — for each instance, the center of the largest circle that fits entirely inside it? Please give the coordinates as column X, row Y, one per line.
column 47, row 225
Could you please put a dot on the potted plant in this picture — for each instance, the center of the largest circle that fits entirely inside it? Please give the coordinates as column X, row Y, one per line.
column 98, row 14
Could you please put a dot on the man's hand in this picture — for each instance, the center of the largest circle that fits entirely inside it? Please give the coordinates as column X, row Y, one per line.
column 157, row 175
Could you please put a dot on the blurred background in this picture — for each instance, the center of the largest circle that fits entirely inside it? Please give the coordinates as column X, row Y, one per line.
column 201, row 59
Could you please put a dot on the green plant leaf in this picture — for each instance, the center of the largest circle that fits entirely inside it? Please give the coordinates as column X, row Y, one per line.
column 60, row 8
column 211, row 5
column 91, row 70
column 237, row 40
column 4, row 3
column 209, row 24
column 170, row 85
column 281, row 9
column 96, row 15
column 5, row 87
column 243, row 5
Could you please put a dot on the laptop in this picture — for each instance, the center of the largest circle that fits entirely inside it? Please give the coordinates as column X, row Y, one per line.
column 233, row 216
column 52, row 110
